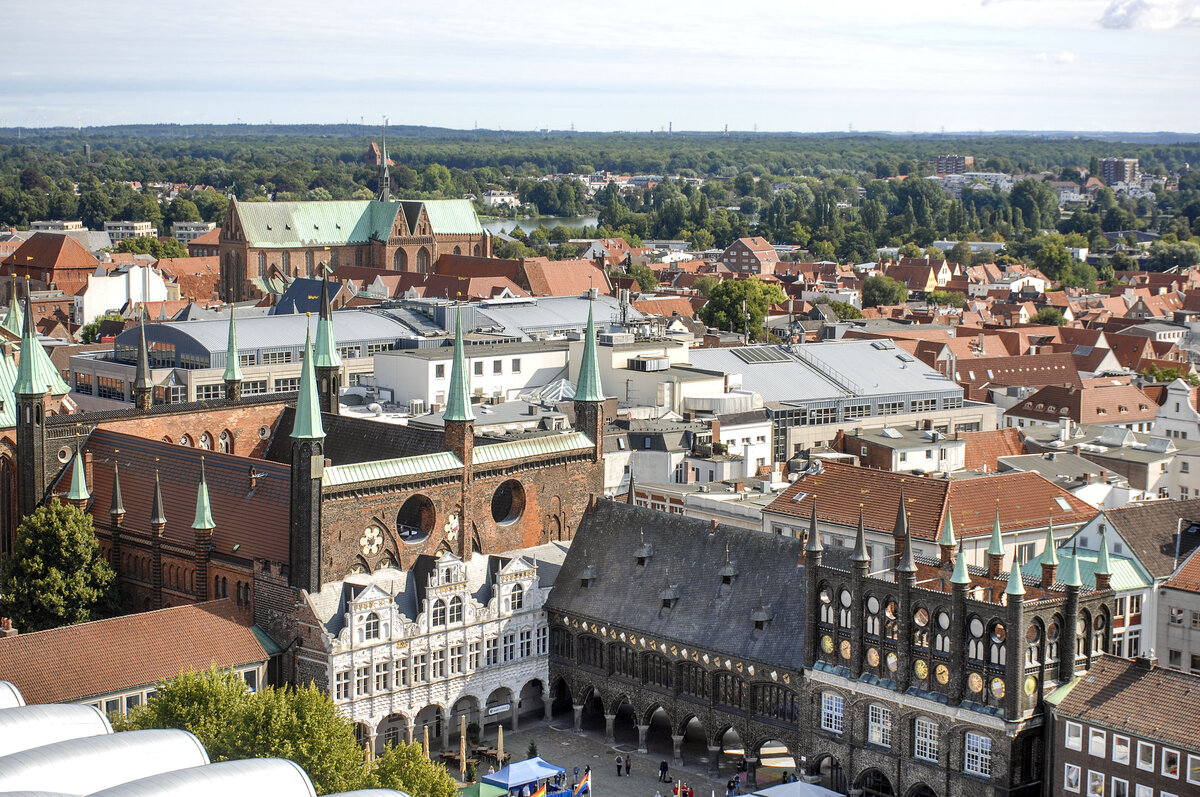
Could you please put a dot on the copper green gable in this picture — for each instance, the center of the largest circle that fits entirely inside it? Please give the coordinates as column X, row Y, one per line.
column 233, row 366
column 36, row 375
column 588, row 388
column 8, row 378
column 308, row 424
column 79, row 490
column 285, row 225
column 1069, row 575
column 1103, row 567
column 458, row 400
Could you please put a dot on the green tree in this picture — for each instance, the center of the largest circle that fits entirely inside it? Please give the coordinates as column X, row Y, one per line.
column 183, row 210
column 951, row 298
column 1156, row 374
column 1164, row 255
column 880, row 290
column 406, row 768
column 91, row 330
column 56, row 575
column 647, row 282
column 723, row 309
column 845, row 310
column 1052, row 258
column 156, row 247
column 704, row 285
column 960, row 253
column 1051, row 316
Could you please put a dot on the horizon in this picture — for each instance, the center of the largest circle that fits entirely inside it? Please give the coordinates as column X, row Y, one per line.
column 1088, row 66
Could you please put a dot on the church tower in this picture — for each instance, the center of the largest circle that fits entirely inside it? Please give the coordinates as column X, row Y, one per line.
column 460, row 432
column 327, row 361
column 308, row 465
column 589, row 398
column 233, row 365
column 35, row 378
column 143, row 385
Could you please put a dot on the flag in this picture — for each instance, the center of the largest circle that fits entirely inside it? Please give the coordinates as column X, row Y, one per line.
column 583, row 785
column 541, row 792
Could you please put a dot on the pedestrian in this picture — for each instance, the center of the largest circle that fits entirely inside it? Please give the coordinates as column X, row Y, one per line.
column 658, row 793
column 662, row 772
column 620, row 764
column 628, row 764
column 729, row 787
column 737, row 784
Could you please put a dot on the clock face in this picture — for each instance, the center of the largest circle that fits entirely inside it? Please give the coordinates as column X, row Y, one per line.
column 893, row 661
column 1031, row 685
column 942, row 673
column 371, row 541
column 451, row 528
column 845, row 647
column 873, row 657
column 975, row 682
column 827, row 643
column 998, row 688
column 921, row 669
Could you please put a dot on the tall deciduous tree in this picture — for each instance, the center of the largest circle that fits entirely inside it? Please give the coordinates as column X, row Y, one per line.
column 406, row 768
column 880, row 290
column 723, row 309
column 56, row 575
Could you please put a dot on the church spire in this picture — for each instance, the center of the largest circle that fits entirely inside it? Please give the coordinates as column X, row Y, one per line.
column 908, row 560
column 1016, row 585
column 116, row 507
column 143, row 386
column 233, row 365
column 458, row 399
column 861, row 555
column 33, row 379
column 158, row 517
column 325, row 348
column 588, row 387
column 13, row 322
column 961, row 575
column 203, row 521
column 307, row 424
column 79, row 494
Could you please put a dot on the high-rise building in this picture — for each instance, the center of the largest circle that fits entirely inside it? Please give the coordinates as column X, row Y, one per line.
column 951, row 164
column 1119, row 170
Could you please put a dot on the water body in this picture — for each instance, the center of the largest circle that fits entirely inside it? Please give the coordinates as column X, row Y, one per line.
column 528, row 224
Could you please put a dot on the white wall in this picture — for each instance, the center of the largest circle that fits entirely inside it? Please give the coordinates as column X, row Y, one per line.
column 112, row 292
column 412, row 377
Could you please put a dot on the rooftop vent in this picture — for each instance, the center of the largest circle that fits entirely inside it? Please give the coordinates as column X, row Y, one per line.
column 588, row 575
column 643, row 554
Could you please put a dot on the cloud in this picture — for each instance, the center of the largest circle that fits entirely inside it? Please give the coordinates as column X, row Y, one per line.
column 1151, row 14
column 1065, row 57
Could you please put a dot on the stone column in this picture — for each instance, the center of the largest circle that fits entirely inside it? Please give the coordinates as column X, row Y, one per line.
column 515, row 704
column 714, row 760
column 608, row 729
column 446, row 733
column 677, row 750
column 578, row 718
column 642, row 729
column 752, row 771
column 408, row 733
column 371, row 736
column 547, row 704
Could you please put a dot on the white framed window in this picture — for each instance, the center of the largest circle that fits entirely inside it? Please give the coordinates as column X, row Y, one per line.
column 1143, row 791
column 1074, row 740
column 977, row 755
column 362, row 681
column 383, row 677
column 456, row 660
column 1193, row 769
column 1097, row 742
column 879, row 725
column 473, row 655
column 543, row 636
column 1170, row 763
column 832, row 708
column 493, row 652
column 438, row 660
column 418, row 669
column 1120, row 787
column 1071, row 777
column 1145, row 759
column 510, row 647
column 1095, row 784
column 925, row 739
column 371, row 626
column 1120, row 751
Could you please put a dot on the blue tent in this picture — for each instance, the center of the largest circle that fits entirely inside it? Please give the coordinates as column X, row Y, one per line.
column 514, row 776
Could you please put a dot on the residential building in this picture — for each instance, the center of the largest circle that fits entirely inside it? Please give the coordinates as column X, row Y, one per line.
column 116, row 665
column 951, row 164
column 1178, row 638
column 750, row 256
column 120, row 230
column 185, row 231
column 411, row 652
column 1125, row 729
column 500, row 199
column 1115, row 403
column 135, row 284
column 206, row 245
column 1118, row 170
column 910, row 449
column 55, row 225
column 51, row 260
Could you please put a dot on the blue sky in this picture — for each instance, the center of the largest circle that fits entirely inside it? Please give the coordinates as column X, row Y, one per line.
column 619, row 65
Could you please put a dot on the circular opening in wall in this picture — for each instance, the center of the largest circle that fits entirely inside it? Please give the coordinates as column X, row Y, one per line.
column 64, row 455
column 508, row 502
column 415, row 519
column 264, row 432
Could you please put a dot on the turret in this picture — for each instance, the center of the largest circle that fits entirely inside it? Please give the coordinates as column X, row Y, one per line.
column 30, row 391
column 233, row 365
column 116, row 515
column 907, row 567
column 459, row 417
column 203, row 527
column 14, row 321
column 995, row 551
column 861, row 556
column 143, row 385
column 308, row 466
column 814, row 551
column 1103, row 566
column 589, row 397
column 79, row 495
column 158, row 524
column 900, row 526
column 946, row 542
column 326, row 360
column 1049, row 559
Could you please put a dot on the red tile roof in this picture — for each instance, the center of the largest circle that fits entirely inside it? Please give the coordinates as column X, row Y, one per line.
column 210, row 238
column 665, row 306
column 197, row 277
column 985, row 448
column 1026, row 500
column 1029, row 370
column 80, row 661
column 1187, row 577
column 546, row 277
column 1093, row 403
column 469, row 266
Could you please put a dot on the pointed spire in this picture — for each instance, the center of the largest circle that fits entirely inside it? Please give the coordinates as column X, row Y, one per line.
column 961, row 576
column 814, row 537
column 1049, row 553
column 79, row 490
column 860, row 542
column 30, row 382
column 1071, row 576
column 233, row 366
column 908, row 561
column 588, row 388
column 1103, row 567
column 203, row 521
column 141, row 380
column 997, row 546
column 947, row 539
column 325, row 349
column 14, row 321
column 308, row 410
column 1016, row 584
column 158, row 517
column 901, row 525
column 116, row 507
column 458, row 399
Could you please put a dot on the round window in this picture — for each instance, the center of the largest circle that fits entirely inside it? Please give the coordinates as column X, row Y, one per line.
column 976, row 627
column 1033, row 635
column 872, row 604
column 921, row 617
column 1052, row 632
column 998, row 633
column 845, row 598
column 64, row 454
column 943, row 620
column 508, row 502
column 825, row 596
column 1098, row 623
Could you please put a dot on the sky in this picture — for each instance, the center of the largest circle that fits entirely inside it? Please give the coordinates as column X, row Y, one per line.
column 795, row 65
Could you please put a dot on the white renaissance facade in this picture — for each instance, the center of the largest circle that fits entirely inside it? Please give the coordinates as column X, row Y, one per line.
column 411, row 651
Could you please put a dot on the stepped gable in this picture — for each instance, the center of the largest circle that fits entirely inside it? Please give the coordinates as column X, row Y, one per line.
column 686, row 559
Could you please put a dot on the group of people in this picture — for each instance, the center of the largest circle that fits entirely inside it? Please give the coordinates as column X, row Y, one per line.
column 624, row 762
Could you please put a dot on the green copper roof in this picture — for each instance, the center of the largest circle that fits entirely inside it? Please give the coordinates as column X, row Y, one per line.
column 233, row 366
column 1016, row 585
column 1049, row 552
column 14, row 321
column 308, row 410
column 961, row 576
column 36, row 375
column 203, row 521
column 1102, row 565
column 8, row 378
column 1125, row 575
column 283, row 225
column 588, row 387
column 458, row 399
column 325, row 351
column 452, row 217
column 531, row 447
column 947, row 538
column 861, row 554
column 336, row 475
column 997, row 546
column 1060, row 694
column 79, row 490
column 1069, row 572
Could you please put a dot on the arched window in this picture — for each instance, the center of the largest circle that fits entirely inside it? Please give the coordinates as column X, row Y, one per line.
column 517, row 597
column 997, row 651
column 400, row 260
column 216, row 586
column 693, row 680
column 624, row 661
column 730, row 690
column 456, row 609
column 223, row 442
column 308, row 264
column 457, row 251
column 239, row 593
column 224, row 587
column 776, row 702
column 476, row 250
column 439, row 614
column 371, row 626
column 206, row 441
column 287, row 263
column 262, row 264
column 423, row 260
column 591, row 651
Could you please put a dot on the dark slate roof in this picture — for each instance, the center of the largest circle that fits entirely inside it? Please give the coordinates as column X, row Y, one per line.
column 304, row 296
column 349, row 440
column 708, row 615
column 1151, row 530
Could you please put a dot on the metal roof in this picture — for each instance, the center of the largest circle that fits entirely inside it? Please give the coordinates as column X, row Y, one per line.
column 531, row 447
column 294, row 224
column 336, row 475
column 452, row 217
column 550, row 314
column 1126, row 575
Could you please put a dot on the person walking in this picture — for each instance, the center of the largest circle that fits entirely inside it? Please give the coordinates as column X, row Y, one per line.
column 729, row 787
column 620, row 764
column 662, row 772
column 628, row 765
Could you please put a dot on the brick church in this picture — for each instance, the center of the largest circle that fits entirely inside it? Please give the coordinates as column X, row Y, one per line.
column 264, row 244
column 258, row 497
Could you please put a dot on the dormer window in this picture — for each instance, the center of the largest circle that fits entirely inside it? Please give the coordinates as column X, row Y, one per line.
column 371, row 626
column 643, row 554
column 761, row 617
column 669, row 596
column 587, row 576
column 728, row 573
column 438, row 615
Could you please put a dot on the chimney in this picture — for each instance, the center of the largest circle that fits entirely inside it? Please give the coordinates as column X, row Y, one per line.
column 6, row 628
column 1103, row 581
column 1147, row 662
column 1048, row 575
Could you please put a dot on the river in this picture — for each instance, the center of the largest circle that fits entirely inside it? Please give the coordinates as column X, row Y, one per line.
column 497, row 225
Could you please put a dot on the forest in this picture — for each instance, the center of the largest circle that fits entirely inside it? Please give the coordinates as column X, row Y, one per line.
column 836, row 196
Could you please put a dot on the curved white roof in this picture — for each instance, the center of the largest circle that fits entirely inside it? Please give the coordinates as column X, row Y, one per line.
column 27, row 727
column 10, row 695
column 252, row 777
